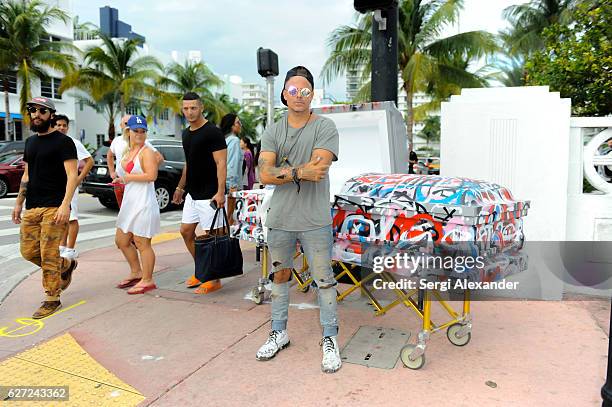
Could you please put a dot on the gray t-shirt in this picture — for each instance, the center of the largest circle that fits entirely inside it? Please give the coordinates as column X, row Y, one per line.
column 310, row 208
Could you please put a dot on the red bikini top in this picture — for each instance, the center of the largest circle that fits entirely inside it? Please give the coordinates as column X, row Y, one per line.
column 130, row 166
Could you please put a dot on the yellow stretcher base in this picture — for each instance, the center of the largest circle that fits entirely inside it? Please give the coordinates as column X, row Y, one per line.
column 458, row 327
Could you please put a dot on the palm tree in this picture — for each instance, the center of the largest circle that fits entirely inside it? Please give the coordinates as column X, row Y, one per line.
column 115, row 75
column 195, row 77
column 511, row 71
column 86, row 26
column 25, row 51
column 528, row 20
column 431, row 130
column 426, row 61
column 252, row 122
column 84, row 31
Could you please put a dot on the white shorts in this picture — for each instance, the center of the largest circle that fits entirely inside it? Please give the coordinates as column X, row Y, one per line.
column 74, row 206
column 200, row 211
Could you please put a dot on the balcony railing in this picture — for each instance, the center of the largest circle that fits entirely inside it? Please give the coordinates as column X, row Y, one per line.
column 85, row 35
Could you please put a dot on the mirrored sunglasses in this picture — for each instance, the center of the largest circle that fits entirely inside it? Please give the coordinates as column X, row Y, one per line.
column 304, row 92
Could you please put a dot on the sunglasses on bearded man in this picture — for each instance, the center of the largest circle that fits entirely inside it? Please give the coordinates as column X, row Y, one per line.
column 34, row 109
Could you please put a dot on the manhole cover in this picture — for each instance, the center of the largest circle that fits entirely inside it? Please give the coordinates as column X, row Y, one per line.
column 375, row 347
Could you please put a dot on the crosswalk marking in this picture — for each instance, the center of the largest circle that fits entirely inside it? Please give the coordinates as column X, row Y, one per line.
column 82, row 222
column 11, row 251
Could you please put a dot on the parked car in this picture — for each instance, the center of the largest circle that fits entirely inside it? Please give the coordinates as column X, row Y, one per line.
column 168, row 176
column 428, row 166
column 12, row 146
column 11, row 170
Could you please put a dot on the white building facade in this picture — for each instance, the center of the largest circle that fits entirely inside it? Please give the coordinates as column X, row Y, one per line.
column 253, row 96
column 64, row 104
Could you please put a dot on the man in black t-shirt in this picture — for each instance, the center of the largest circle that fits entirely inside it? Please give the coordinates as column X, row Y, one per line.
column 204, row 176
column 47, row 186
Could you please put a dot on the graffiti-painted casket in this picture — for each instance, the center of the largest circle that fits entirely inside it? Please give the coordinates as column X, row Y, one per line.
column 429, row 214
column 250, row 214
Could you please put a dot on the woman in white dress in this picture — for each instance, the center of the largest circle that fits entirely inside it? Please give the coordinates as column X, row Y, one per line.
column 138, row 218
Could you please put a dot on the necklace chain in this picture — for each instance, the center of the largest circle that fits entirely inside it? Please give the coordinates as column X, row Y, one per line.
column 285, row 157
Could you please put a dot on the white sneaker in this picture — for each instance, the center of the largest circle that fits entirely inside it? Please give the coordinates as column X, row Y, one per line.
column 277, row 341
column 70, row 254
column 331, row 355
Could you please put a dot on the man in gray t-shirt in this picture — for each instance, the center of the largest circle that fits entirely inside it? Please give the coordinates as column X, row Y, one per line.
column 296, row 153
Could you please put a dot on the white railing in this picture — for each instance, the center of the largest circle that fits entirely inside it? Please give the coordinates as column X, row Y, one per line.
column 591, row 134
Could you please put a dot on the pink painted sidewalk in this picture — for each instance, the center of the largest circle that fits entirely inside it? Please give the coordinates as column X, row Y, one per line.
column 203, row 346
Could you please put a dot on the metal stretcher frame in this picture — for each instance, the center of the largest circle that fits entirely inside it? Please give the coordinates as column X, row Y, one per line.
column 458, row 328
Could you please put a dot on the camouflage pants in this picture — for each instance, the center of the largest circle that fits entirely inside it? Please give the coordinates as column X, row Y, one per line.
column 40, row 239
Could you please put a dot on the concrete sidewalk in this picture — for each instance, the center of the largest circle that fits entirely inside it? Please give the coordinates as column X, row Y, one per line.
column 176, row 348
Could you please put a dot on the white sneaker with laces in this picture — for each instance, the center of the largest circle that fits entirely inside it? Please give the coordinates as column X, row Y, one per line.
column 277, row 341
column 331, row 355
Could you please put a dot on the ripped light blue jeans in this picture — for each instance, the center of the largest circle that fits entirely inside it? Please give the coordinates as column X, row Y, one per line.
column 317, row 245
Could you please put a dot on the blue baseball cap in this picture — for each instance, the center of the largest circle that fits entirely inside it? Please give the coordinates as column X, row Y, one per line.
column 137, row 122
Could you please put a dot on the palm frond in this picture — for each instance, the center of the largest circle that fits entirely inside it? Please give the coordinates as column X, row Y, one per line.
column 441, row 15
column 468, row 45
column 340, row 61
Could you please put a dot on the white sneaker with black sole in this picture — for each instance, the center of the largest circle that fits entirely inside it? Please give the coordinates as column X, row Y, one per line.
column 331, row 362
column 277, row 341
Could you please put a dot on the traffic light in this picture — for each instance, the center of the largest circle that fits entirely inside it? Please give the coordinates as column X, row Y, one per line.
column 267, row 62
column 363, row 6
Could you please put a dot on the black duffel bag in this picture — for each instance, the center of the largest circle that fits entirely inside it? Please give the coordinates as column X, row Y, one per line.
column 217, row 256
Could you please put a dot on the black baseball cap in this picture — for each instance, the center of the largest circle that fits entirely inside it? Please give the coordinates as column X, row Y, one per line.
column 297, row 71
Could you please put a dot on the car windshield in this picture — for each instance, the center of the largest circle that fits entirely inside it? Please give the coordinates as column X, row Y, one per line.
column 8, row 158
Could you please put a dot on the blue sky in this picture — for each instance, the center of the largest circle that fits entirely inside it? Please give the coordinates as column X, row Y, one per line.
column 228, row 33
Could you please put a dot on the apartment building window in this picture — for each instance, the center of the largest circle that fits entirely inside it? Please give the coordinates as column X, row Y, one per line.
column 56, row 85
column 49, row 88
column 12, row 81
column 99, row 139
column 164, row 115
column 131, row 109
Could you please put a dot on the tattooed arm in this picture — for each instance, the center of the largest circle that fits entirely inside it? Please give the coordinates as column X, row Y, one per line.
column 269, row 173
column 23, row 187
column 315, row 170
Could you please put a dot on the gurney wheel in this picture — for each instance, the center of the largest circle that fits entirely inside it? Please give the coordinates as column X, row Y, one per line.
column 411, row 364
column 257, row 295
column 451, row 334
